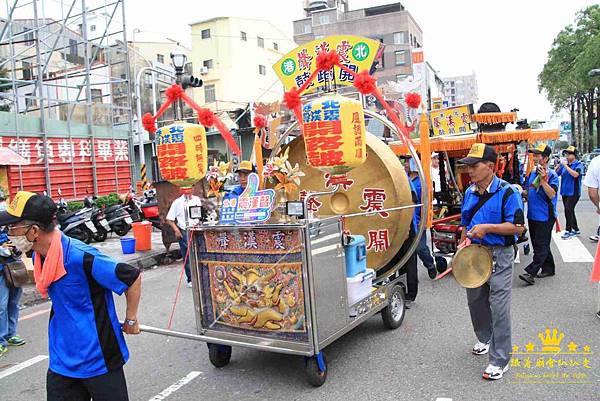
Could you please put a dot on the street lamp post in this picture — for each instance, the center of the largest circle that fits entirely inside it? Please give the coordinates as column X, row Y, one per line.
column 179, row 60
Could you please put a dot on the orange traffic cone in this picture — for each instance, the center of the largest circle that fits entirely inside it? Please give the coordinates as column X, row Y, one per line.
column 595, row 276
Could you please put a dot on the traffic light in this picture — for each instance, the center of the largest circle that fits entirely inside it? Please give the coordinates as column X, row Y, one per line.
column 190, row 81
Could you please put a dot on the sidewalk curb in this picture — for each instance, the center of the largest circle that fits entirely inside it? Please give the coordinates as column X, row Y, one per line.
column 145, row 261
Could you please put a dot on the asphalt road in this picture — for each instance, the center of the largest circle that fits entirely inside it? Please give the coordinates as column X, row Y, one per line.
column 427, row 358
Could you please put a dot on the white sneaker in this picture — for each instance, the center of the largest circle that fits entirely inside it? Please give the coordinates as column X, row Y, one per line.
column 594, row 238
column 481, row 348
column 189, row 284
column 494, row 372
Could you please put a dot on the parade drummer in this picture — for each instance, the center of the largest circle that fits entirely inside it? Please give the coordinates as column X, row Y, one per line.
column 541, row 190
column 492, row 216
column 570, row 170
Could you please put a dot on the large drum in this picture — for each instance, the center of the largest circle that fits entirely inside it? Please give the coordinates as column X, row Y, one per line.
column 379, row 183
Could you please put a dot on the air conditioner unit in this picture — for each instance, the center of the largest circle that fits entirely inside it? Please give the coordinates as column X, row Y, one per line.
column 203, row 70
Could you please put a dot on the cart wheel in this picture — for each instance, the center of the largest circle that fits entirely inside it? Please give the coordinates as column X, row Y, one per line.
column 316, row 375
column 219, row 355
column 393, row 314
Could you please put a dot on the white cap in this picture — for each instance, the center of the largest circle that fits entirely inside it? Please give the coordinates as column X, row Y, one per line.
column 434, row 154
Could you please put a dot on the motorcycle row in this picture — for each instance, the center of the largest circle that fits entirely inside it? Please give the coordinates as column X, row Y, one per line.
column 93, row 223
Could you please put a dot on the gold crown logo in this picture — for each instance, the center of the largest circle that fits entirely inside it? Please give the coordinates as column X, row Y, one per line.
column 551, row 343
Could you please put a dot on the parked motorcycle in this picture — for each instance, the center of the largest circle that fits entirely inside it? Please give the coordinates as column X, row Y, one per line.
column 145, row 208
column 76, row 225
column 118, row 219
column 98, row 218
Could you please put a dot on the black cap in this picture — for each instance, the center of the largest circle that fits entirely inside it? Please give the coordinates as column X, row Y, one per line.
column 28, row 206
column 541, row 149
column 480, row 152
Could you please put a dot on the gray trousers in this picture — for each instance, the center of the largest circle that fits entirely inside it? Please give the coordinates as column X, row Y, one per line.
column 489, row 306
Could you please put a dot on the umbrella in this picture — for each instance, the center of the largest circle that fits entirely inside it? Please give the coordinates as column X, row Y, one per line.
column 9, row 157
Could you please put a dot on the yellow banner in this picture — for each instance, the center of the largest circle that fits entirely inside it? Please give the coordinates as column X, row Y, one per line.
column 451, row 121
column 356, row 53
column 182, row 153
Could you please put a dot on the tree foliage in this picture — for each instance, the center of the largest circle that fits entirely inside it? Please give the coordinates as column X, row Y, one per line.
column 564, row 78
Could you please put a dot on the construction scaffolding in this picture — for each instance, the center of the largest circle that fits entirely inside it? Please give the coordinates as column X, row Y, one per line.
column 65, row 102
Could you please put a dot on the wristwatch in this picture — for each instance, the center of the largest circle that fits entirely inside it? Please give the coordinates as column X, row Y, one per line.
column 130, row 322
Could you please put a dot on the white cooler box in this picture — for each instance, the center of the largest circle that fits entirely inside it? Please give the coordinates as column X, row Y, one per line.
column 359, row 287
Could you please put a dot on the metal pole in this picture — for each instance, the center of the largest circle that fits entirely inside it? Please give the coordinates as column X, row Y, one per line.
column 88, row 95
column 128, row 86
column 138, row 99
column 40, row 89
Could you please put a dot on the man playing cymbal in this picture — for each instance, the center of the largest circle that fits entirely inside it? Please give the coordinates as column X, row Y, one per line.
column 492, row 216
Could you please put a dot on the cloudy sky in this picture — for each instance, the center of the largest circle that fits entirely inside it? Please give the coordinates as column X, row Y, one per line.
column 504, row 43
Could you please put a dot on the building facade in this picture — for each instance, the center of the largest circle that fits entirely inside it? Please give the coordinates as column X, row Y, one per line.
column 461, row 90
column 233, row 57
column 391, row 24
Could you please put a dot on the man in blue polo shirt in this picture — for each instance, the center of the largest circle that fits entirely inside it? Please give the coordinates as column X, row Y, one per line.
column 570, row 171
column 87, row 348
column 492, row 216
column 542, row 190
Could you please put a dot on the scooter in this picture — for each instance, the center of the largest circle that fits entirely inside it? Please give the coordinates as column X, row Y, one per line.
column 98, row 218
column 145, row 209
column 76, row 225
column 119, row 219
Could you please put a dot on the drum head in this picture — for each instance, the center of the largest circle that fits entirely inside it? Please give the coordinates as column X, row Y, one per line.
column 472, row 266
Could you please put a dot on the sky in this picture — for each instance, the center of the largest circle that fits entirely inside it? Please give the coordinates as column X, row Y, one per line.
column 504, row 43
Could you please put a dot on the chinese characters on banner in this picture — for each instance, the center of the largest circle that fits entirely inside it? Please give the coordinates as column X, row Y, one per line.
column 68, row 157
column 378, row 240
column 182, row 153
column 355, row 52
column 334, row 134
column 451, row 121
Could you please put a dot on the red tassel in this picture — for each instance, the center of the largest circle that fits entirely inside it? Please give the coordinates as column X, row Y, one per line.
column 291, row 98
column 174, row 92
column 260, row 121
column 206, row 117
column 149, row 123
column 326, row 61
column 364, row 82
column 413, row 100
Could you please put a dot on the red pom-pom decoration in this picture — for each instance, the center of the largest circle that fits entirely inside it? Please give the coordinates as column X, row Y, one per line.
column 326, row 61
column 291, row 99
column 364, row 82
column 174, row 92
column 206, row 117
column 413, row 100
column 149, row 123
column 260, row 121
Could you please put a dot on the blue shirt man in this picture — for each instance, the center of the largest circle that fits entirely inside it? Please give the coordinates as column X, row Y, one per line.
column 87, row 348
column 570, row 172
column 542, row 189
column 492, row 216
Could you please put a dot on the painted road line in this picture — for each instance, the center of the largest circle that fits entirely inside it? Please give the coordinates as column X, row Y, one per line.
column 572, row 250
column 443, row 399
column 22, row 366
column 325, row 238
column 176, row 386
column 34, row 314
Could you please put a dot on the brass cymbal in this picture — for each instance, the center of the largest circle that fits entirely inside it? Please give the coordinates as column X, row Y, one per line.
column 381, row 170
column 472, row 266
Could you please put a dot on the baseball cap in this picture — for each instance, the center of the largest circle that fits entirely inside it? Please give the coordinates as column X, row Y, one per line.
column 28, row 206
column 541, row 149
column 434, row 154
column 480, row 152
column 570, row 149
column 246, row 166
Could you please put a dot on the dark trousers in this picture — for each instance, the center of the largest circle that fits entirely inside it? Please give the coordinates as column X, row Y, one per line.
column 569, row 203
column 424, row 252
column 107, row 387
column 410, row 268
column 540, row 233
column 183, row 247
